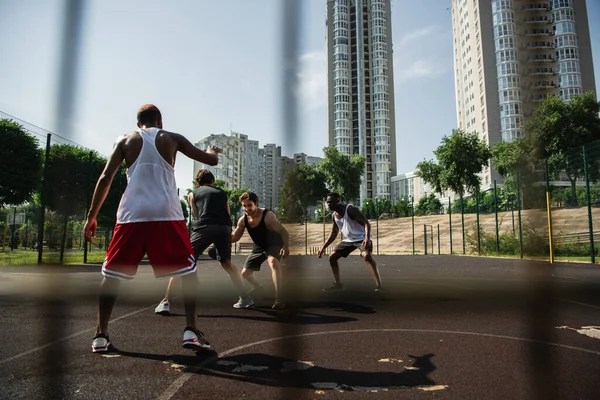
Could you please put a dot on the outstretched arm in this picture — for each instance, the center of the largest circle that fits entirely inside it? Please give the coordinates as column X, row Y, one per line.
column 102, row 187
column 334, row 232
column 274, row 225
column 239, row 231
column 210, row 156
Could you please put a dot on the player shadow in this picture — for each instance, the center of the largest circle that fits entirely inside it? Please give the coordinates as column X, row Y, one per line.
column 180, row 361
column 269, row 370
column 288, row 315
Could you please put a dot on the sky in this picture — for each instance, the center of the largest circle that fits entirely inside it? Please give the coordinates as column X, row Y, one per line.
column 212, row 66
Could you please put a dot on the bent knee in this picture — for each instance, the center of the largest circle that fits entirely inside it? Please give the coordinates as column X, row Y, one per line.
column 334, row 256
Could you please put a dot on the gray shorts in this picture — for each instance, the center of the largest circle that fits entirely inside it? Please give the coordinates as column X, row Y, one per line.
column 217, row 235
column 259, row 256
column 345, row 248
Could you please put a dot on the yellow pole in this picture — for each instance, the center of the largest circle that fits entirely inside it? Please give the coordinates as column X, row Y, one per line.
column 548, row 207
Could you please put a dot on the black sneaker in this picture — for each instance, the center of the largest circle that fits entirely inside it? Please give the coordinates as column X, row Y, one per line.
column 335, row 288
column 100, row 343
column 194, row 340
column 379, row 289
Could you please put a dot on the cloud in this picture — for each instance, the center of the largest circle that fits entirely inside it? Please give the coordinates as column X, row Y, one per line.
column 410, row 38
column 417, row 69
column 417, row 54
column 312, row 80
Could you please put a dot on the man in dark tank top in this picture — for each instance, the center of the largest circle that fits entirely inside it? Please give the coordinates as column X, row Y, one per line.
column 212, row 227
column 271, row 243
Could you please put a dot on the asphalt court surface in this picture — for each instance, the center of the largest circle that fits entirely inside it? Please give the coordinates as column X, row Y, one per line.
column 449, row 327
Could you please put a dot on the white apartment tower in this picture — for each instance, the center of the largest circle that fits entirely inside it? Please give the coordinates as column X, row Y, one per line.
column 361, row 88
column 509, row 55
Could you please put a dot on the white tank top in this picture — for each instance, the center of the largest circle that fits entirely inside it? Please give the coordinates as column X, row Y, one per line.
column 151, row 193
column 351, row 229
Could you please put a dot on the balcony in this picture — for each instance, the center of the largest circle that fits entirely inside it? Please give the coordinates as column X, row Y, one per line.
column 540, row 45
column 539, row 32
column 537, row 7
column 543, row 58
column 537, row 20
column 543, row 85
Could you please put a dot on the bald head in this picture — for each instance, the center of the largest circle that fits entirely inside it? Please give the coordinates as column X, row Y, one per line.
column 149, row 115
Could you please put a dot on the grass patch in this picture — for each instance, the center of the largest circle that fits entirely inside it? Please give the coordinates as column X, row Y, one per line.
column 24, row 257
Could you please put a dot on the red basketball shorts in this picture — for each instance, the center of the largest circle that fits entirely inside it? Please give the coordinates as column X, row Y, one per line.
column 167, row 244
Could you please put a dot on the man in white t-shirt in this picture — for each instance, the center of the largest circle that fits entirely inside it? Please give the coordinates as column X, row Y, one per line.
column 356, row 230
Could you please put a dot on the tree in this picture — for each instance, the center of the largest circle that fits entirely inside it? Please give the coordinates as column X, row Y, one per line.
column 108, row 212
column 461, row 157
column 302, row 187
column 342, row 173
column 560, row 129
column 69, row 171
column 515, row 158
column 402, row 207
column 428, row 205
column 368, row 209
column 20, row 164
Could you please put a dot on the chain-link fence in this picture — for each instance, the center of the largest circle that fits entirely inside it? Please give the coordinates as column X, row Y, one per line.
column 48, row 229
column 508, row 220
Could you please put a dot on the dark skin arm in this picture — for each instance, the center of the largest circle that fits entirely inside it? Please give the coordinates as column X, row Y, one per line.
column 210, row 156
column 273, row 224
column 102, row 187
column 334, row 232
column 359, row 217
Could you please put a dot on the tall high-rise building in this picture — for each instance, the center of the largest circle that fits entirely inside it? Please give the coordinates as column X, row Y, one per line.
column 361, row 88
column 509, row 55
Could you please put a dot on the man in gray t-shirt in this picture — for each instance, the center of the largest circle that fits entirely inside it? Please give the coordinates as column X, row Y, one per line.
column 211, row 230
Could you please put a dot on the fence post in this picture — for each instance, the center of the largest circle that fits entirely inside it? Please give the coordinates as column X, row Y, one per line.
column 496, row 212
column 43, row 195
column 549, row 211
column 589, row 206
column 462, row 212
column 439, row 247
column 519, row 216
column 306, row 231
column 477, row 215
column 377, row 222
column 412, row 213
column 12, row 232
column 450, row 220
column 425, row 238
column 88, row 201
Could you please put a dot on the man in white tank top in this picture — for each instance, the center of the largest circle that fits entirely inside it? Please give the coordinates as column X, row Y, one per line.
column 149, row 219
column 356, row 231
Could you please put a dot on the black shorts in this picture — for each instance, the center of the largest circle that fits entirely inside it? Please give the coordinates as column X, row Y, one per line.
column 217, row 235
column 345, row 248
column 259, row 256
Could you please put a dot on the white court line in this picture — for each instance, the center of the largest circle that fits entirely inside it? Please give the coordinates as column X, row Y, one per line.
column 69, row 337
column 178, row 383
column 581, row 304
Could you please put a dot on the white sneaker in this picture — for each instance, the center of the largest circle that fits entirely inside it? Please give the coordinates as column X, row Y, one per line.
column 100, row 343
column 163, row 308
column 244, row 303
column 194, row 340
